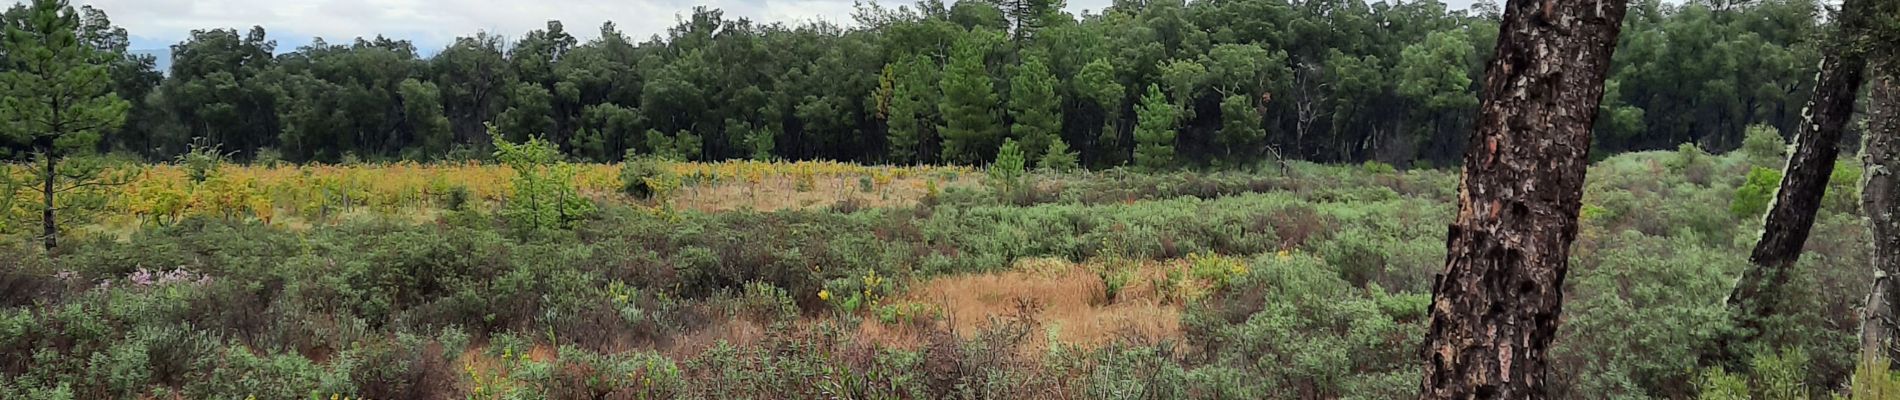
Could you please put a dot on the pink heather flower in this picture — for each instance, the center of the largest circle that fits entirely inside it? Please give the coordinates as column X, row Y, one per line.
column 141, row 278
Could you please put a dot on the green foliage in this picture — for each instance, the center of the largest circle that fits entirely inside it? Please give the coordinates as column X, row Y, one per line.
column 1873, row 379
column 1843, row 187
column 1775, row 376
column 639, row 173
column 58, row 99
column 1671, row 286
column 1380, row 168
column 1184, row 80
column 1058, row 157
column 762, row 142
column 1764, row 147
column 1154, row 134
column 1376, row 82
column 1432, row 73
column 913, row 107
column 1692, row 163
column 1240, row 129
column 202, row 162
column 544, row 193
column 683, row 146
column 1752, row 199
column 422, row 108
column 1006, row 175
column 971, row 126
column 1035, row 109
column 1316, row 279
column 1096, row 83
column 1268, row 319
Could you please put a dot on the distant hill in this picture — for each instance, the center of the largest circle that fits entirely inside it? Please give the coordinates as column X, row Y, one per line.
column 164, row 57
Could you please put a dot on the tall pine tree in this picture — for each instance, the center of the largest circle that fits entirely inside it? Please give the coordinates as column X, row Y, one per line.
column 912, row 109
column 1154, row 133
column 971, row 130
column 1034, row 107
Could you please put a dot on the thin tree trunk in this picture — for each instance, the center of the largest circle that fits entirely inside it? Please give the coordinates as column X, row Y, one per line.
column 1880, row 201
column 47, row 223
column 1759, row 291
column 1496, row 306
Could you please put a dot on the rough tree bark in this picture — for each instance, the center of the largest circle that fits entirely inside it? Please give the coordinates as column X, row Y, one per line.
column 1880, row 202
column 1759, row 291
column 1495, row 307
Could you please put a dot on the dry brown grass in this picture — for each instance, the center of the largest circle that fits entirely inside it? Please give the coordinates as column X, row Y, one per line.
column 1072, row 298
column 784, row 193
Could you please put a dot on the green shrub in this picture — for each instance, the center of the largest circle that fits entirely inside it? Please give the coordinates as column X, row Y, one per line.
column 1379, row 168
column 1671, row 287
column 242, row 374
column 637, row 174
column 202, row 161
column 1843, row 187
column 1692, row 163
column 1752, row 199
column 1873, row 379
column 1764, row 147
column 766, row 302
column 544, row 193
column 456, row 198
column 1296, row 321
column 1058, row 158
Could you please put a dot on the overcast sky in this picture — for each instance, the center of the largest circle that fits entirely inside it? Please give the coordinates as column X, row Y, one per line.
column 156, row 24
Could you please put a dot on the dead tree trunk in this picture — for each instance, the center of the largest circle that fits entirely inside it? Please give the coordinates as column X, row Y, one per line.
column 1880, row 201
column 1759, row 292
column 1495, row 307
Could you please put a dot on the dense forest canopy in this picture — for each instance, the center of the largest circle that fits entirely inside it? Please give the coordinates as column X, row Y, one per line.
column 1207, row 83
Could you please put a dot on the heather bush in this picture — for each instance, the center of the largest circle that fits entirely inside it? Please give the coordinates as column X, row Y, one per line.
column 1316, row 279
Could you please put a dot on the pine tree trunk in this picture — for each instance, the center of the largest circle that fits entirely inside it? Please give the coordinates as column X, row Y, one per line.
column 47, row 223
column 1759, row 292
column 1880, row 201
column 1496, row 306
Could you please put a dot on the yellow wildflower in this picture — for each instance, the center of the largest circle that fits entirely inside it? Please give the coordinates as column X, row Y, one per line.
column 824, row 295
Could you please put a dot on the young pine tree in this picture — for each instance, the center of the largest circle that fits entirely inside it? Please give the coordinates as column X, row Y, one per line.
column 57, row 100
column 1006, row 174
column 1154, row 132
column 1058, row 158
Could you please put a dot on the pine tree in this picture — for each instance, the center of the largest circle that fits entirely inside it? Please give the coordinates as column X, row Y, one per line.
column 1034, row 106
column 911, row 112
column 57, row 99
column 1006, row 174
column 1154, row 132
column 1096, row 83
column 970, row 130
column 1059, row 158
column 1240, row 131
column 1762, row 290
column 1496, row 307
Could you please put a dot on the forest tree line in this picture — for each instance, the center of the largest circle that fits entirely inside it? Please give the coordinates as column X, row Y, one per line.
column 1162, row 83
